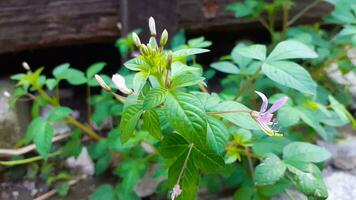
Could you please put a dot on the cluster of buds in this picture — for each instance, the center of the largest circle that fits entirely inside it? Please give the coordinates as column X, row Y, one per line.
column 147, row 49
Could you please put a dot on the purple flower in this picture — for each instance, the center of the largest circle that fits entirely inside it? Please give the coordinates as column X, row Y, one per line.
column 264, row 117
column 176, row 192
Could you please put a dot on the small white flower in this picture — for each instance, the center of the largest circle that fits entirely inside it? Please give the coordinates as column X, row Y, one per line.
column 176, row 192
column 102, row 83
column 7, row 94
column 119, row 82
column 152, row 26
column 26, row 66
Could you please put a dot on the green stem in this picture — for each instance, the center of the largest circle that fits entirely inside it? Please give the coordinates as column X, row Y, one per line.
column 88, row 104
column 302, row 12
column 185, row 163
column 247, row 84
column 228, row 111
column 27, row 160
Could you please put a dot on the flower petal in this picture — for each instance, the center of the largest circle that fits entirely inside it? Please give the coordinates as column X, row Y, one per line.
column 264, row 101
column 276, row 106
column 120, row 84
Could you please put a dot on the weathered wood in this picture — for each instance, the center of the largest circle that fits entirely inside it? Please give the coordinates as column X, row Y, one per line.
column 197, row 16
column 31, row 24
column 135, row 13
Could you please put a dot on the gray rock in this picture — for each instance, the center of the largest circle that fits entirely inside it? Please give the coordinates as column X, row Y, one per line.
column 341, row 186
column 9, row 123
column 295, row 194
column 343, row 153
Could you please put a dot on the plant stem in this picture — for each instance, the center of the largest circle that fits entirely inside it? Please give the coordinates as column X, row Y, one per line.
column 302, row 12
column 228, row 111
column 87, row 129
column 285, row 17
column 247, row 84
column 250, row 164
column 27, row 160
column 88, row 104
column 185, row 163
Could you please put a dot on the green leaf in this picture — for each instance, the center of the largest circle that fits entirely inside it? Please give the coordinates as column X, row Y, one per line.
column 241, row 119
column 290, row 74
column 226, row 67
column 269, row 171
column 151, row 123
column 139, row 81
column 102, row 164
column 310, row 118
column 207, row 160
column 59, row 113
column 308, row 180
column 51, row 83
column 173, row 145
column 36, row 124
column 154, row 97
column 59, row 70
column 131, row 171
column 189, row 180
column 62, row 189
column 189, row 52
column 217, row 135
column 129, row 120
column 305, row 152
column 288, row 116
column 74, row 76
column 43, row 137
column 185, row 113
column 256, row 51
column 291, row 49
column 104, row 192
column 135, row 64
column 94, row 69
column 179, row 68
column 184, row 80
column 267, row 145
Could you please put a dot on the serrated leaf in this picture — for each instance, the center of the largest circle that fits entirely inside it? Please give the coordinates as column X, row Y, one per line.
column 151, row 123
column 43, row 138
column 185, row 113
column 190, row 179
column 180, row 68
column 226, row 67
column 184, row 80
column 139, row 81
column 173, row 145
column 94, row 69
column 308, row 179
column 305, row 152
column 256, row 51
column 189, row 52
column 207, row 160
column 269, row 171
column 129, row 120
column 217, row 135
column 290, row 74
column 36, row 124
column 59, row 113
column 291, row 49
column 241, row 119
column 135, row 64
column 154, row 97
column 74, row 76
column 102, row 164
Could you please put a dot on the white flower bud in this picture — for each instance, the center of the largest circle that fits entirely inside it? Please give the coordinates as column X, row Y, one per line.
column 136, row 39
column 7, row 94
column 152, row 26
column 119, row 82
column 26, row 66
column 102, row 83
column 164, row 38
column 144, row 50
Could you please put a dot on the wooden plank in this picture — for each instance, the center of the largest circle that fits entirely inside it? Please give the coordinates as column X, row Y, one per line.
column 203, row 16
column 32, row 24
